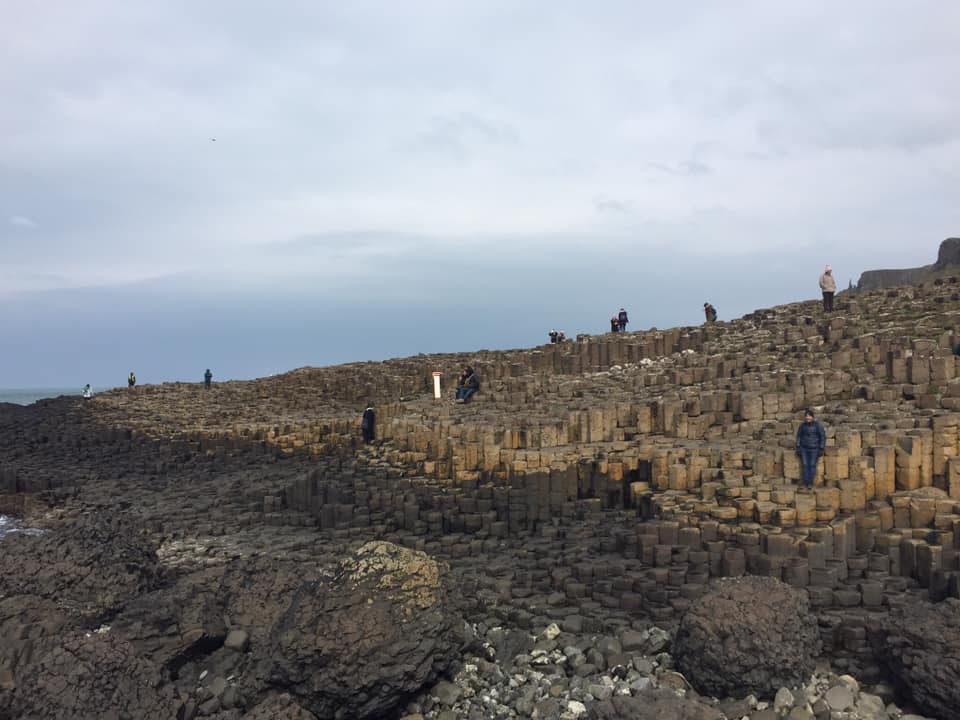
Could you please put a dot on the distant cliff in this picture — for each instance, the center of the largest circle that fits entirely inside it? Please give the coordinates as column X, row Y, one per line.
column 948, row 262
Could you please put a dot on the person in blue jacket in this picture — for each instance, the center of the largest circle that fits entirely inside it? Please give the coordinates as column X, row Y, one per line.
column 811, row 444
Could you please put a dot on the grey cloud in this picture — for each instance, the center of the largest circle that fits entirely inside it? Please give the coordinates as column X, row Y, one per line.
column 610, row 205
column 460, row 134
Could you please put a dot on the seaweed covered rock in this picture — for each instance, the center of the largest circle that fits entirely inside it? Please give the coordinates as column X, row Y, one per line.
column 747, row 635
column 920, row 644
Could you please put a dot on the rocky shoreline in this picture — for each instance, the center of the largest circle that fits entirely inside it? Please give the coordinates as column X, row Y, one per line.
column 542, row 551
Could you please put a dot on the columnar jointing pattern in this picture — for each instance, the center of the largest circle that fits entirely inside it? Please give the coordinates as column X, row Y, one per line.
column 614, row 475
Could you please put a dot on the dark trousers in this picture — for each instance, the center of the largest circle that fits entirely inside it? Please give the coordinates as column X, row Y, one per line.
column 827, row 301
column 808, row 461
column 622, row 325
column 368, row 434
column 465, row 391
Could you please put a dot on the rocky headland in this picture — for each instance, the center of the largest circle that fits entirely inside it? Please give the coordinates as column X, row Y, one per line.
column 947, row 265
column 611, row 528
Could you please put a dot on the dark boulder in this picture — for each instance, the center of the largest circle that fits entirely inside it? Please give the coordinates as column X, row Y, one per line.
column 653, row 704
column 747, row 635
column 919, row 643
column 356, row 644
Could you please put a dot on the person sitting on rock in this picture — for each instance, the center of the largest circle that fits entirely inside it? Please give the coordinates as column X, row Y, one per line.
column 467, row 385
column 811, row 444
column 614, row 324
column 710, row 312
column 87, row 392
column 207, row 378
column 828, row 286
column 561, row 336
column 131, row 379
column 367, row 423
column 622, row 320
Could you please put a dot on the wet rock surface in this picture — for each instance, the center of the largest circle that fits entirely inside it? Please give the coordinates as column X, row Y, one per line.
column 748, row 635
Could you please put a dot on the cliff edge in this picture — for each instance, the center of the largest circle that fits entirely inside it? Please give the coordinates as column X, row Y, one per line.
column 948, row 262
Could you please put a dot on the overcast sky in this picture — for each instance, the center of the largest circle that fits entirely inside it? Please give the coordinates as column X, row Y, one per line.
column 260, row 186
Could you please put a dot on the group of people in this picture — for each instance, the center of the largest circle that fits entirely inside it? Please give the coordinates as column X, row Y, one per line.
column 618, row 323
column 557, row 337
column 87, row 391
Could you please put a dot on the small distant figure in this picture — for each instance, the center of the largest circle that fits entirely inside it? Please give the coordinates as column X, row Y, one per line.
column 561, row 336
column 622, row 320
column 207, row 378
column 614, row 324
column 131, row 380
column 709, row 312
column 467, row 385
column 554, row 336
column 368, row 423
column 811, row 444
column 828, row 286
column 87, row 392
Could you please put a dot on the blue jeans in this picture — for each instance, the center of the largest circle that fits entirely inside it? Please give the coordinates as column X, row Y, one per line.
column 464, row 392
column 808, row 460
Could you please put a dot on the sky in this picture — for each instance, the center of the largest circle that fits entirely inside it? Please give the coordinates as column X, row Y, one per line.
column 256, row 187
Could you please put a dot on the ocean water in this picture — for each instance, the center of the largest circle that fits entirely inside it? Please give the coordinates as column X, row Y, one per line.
column 10, row 525
column 26, row 396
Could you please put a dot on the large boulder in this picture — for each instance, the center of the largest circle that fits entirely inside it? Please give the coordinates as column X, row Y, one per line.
column 747, row 635
column 920, row 644
column 355, row 644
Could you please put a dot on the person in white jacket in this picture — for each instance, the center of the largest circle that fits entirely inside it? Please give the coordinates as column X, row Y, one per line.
column 828, row 286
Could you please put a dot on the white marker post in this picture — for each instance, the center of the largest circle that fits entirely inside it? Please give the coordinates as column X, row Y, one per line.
column 436, row 385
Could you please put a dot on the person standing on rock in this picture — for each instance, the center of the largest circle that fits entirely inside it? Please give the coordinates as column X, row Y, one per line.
column 367, row 423
column 131, row 379
column 709, row 312
column 811, row 444
column 614, row 324
column 207, row 378
column 622, row 320
column 828, row 286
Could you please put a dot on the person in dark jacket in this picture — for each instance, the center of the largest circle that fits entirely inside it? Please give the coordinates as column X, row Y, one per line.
column 709, row 312
column 468, row 384
column 614, row 324
column 811, row 444
column 131, row 379
column 207, row 378
column 622, row 320
column 367, row 424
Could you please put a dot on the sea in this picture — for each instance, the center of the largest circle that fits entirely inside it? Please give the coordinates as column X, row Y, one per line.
column 26, row 396
column 9, row 525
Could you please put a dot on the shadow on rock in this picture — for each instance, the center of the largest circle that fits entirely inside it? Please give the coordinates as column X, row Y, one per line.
column 920, row 644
